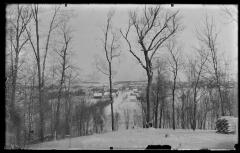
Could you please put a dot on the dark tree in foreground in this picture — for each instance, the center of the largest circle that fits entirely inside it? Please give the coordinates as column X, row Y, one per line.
column 36, row 50
column 153, row 27
column 41, row 64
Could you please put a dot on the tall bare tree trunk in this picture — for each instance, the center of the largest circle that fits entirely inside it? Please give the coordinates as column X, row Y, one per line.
column 161, row 113
column 59, row 97
column 16, row 26
column 111, row 98
column 14, row 114
column 15, row 118
column 194, row 108
column 156, row 112
column 14, row 79
column 67, row 109
column 183, row 111
column 41, row 133
column 149, row 84
column 30, row 107
column 173, row 107
column 111, row 52
column 37, row 56
column 148, row 98
column 64, row 65
column 220, row 94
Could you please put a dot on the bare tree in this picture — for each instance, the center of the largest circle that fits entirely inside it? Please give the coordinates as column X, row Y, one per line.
column 175, row 64
column 65, row 33
column 152, row 31
column 36, row 49
column 17, row 23
column 208, row 38
column 111, row 49
column 197, row 67
column 37, row 53
column 71, row 77
column 42, row 63
column 53, row 25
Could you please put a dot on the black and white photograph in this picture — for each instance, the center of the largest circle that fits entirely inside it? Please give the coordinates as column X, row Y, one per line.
column 121, row 76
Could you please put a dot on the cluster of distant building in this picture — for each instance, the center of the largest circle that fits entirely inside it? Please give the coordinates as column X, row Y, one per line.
column 98, row 94
column 97, row 90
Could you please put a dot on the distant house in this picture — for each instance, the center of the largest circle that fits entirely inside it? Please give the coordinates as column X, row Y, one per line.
column 97, row 95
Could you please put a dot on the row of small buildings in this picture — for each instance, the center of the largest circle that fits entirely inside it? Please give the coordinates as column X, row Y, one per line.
column 104, row 94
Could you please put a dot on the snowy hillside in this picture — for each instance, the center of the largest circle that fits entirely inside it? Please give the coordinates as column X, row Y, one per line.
column 140, row 138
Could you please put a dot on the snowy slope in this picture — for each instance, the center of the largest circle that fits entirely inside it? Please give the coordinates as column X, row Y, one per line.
column 140, row 138
column 124, row 101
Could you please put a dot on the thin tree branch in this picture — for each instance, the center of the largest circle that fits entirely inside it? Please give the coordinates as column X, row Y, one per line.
column 129, row 45
column 102, row 70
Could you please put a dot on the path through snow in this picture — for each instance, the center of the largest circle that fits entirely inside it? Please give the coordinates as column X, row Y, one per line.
column 124, row 101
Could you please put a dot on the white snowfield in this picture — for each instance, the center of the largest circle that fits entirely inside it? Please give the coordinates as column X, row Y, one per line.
column 138, row 139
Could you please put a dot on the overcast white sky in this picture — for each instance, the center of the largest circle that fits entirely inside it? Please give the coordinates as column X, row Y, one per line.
column 90, row 18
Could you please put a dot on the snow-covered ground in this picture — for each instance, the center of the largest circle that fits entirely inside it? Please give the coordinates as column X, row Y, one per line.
column 139, row 139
